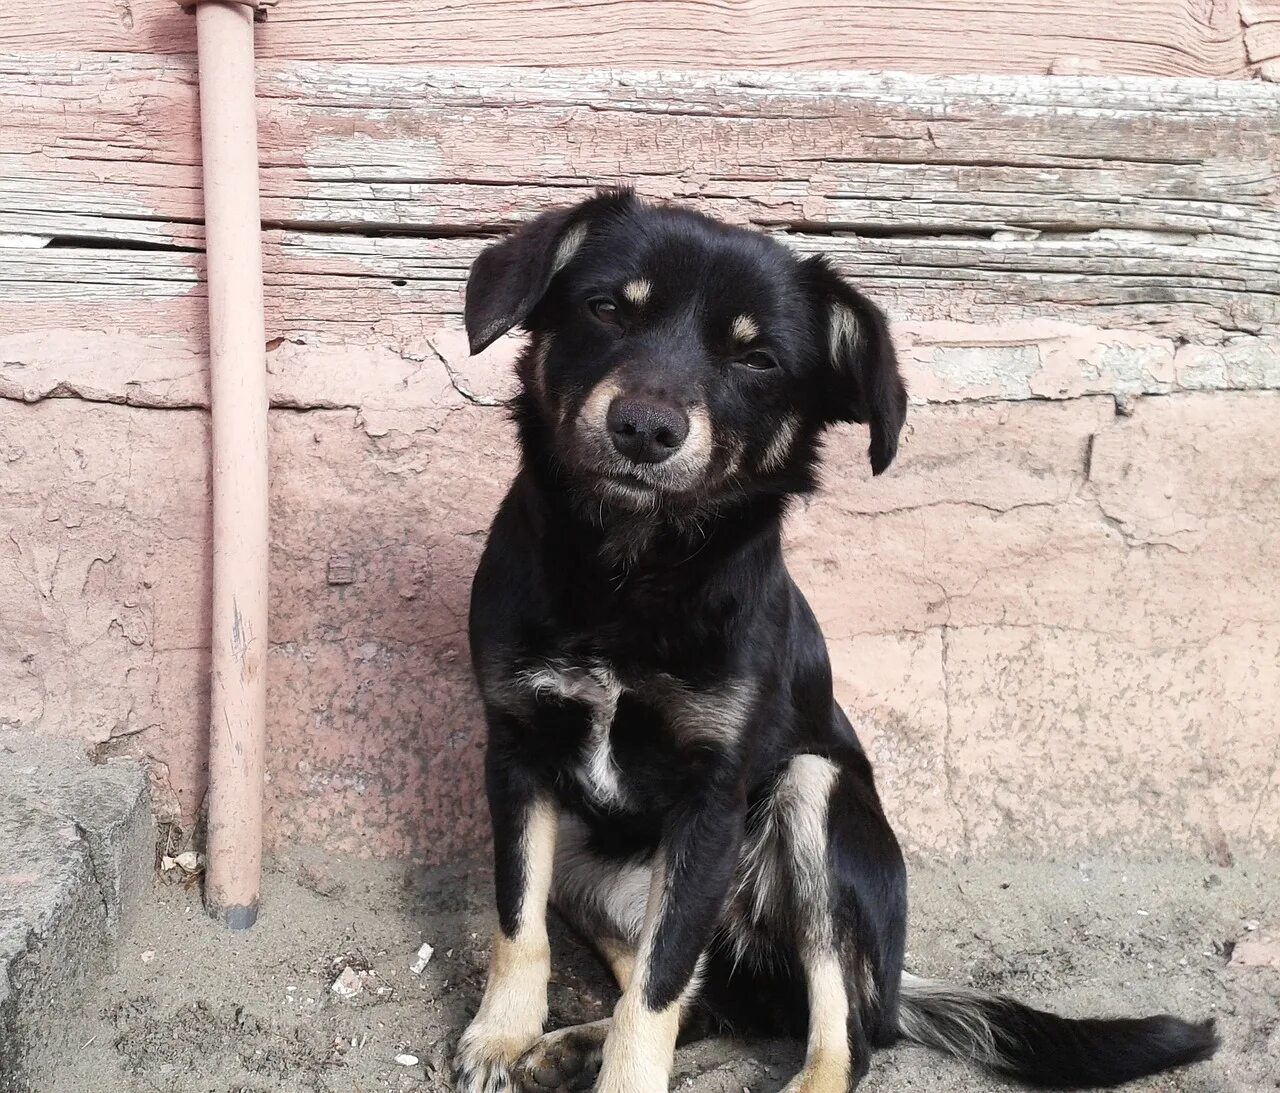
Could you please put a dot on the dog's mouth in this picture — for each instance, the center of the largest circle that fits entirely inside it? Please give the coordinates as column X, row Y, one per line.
column 634, row 479
column 626, row 482
column 638, row 487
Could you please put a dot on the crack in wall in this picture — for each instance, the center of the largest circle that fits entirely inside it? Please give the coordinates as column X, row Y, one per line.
column 948, row 739
column 116, row 243
column 989, row 228
column 455, row 381
column 10, row 390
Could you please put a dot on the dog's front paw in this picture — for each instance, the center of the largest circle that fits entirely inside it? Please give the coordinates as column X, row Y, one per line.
column 486, row 1058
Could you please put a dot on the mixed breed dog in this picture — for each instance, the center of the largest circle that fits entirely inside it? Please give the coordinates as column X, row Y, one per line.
column 666, row 762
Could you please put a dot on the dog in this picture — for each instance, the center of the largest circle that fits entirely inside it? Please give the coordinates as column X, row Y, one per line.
column 666, row 762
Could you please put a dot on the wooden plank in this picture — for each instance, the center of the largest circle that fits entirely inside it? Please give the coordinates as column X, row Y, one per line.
column 356, row 322
column 415, row 150
column 1140, row 37
column 341, row 284
column 1262, row 36
column 1116, row 203
column 344, row 279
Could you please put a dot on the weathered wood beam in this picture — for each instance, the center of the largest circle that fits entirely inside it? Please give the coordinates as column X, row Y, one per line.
column 1144, row 37
column 1112, row 203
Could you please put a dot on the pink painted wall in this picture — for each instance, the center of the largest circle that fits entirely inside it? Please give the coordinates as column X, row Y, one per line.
column 1073, row 627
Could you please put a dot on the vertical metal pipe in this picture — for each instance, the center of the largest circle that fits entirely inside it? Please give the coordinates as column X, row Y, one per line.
column 237, row 352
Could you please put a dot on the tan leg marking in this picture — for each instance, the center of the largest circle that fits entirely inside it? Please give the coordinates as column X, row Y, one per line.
column 806, row 800
column 621, row 959
column 641, row 1045
column 514, row 1006
column 828, row 1063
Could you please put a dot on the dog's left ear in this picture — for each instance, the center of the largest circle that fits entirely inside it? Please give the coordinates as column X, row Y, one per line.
column 508, row 278
column 862, row 365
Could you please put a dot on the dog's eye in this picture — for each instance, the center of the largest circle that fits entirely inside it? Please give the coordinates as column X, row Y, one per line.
column 758, row 360
column 604, row 309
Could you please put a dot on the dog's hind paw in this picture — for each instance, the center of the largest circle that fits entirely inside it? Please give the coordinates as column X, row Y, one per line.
column 566, row 1061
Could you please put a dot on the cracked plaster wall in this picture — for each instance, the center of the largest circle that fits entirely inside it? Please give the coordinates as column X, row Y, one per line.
column 1057, row 618
column 1059, row 626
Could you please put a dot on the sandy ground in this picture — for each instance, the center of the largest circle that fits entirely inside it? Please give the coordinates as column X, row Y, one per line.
column 193, row 1009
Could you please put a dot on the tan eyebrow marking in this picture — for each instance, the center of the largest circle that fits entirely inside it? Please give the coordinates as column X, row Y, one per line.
column 637, row 291
column 744, row 329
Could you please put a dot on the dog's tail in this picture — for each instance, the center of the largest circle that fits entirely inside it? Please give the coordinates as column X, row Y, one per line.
column 1041, row 1049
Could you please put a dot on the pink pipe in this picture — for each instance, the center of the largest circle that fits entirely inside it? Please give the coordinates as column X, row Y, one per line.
column 238, row 393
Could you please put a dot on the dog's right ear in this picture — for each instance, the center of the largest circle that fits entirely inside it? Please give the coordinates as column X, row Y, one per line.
column 508, row 278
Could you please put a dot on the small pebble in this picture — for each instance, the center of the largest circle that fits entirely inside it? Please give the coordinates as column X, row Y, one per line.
column 407, row 1060
column 348, row 984
column 425, row 953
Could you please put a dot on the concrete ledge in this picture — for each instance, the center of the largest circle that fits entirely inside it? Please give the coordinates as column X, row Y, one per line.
column 77, row 854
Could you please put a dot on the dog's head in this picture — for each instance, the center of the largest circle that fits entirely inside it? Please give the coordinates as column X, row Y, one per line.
column 678, row 361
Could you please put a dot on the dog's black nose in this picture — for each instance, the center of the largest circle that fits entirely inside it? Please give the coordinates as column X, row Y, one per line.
column 646, row 431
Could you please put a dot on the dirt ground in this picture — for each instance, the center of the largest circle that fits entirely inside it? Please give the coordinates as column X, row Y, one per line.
column 191, row 1008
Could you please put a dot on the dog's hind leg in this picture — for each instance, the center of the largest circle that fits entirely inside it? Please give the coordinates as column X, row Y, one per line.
column 809, row 871
column 620, row 956
column 792, row 878
column 564, row 1060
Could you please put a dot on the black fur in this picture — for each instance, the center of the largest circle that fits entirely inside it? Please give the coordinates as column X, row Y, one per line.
column 653, row 592
column 1057, row 1053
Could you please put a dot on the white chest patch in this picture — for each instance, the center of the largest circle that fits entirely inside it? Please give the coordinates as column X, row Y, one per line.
column 596, row 687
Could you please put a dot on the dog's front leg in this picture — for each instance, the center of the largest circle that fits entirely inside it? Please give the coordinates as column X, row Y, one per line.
column 514, row 1006
column 691, row 876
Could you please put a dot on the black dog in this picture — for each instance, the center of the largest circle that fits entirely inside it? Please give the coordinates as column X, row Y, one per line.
column 666, row 761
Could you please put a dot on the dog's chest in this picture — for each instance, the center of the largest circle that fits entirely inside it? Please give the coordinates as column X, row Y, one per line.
column 637, row 726
column 595, row 686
